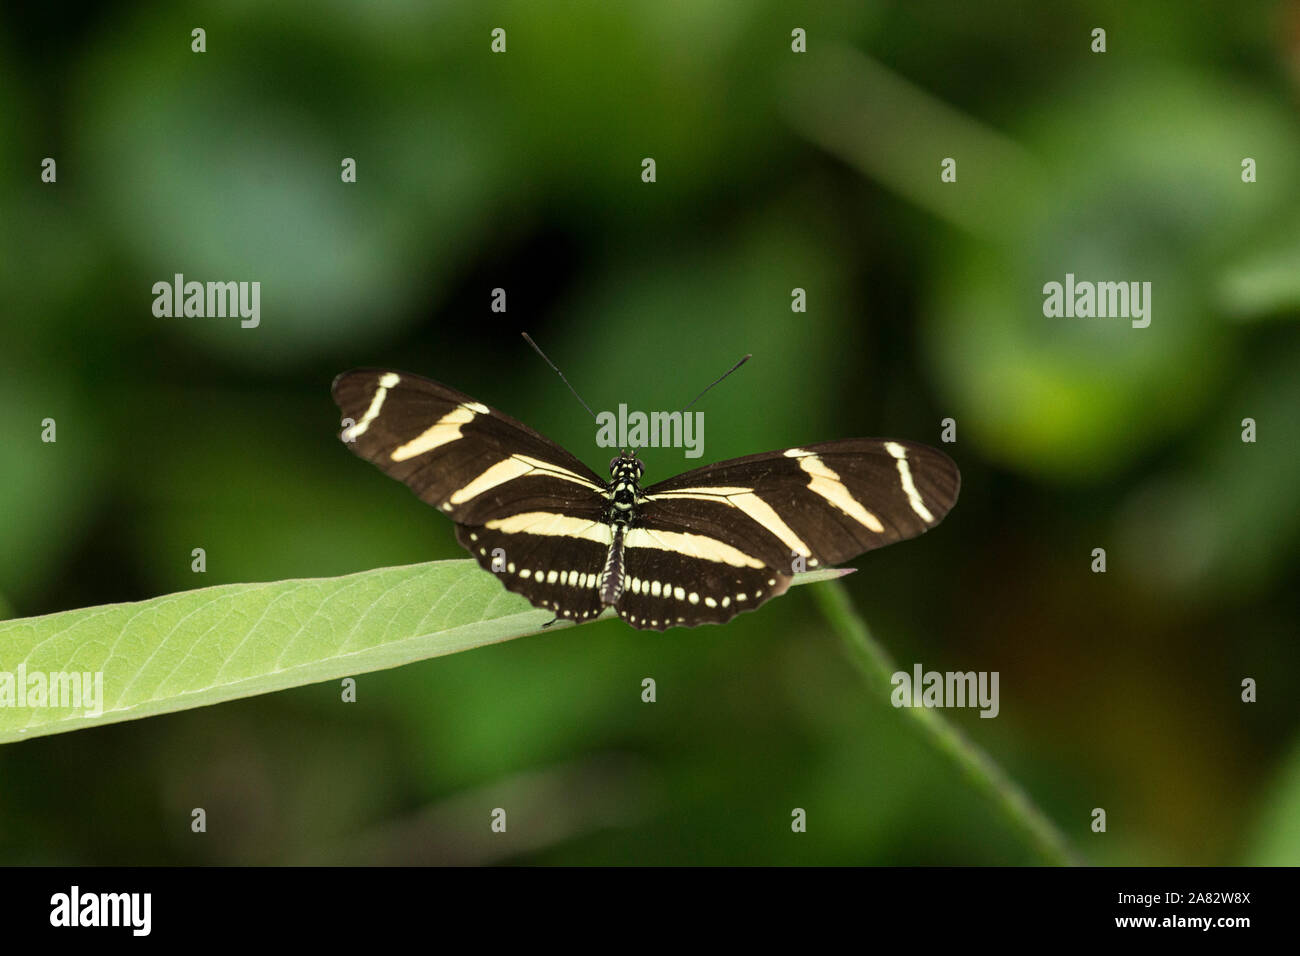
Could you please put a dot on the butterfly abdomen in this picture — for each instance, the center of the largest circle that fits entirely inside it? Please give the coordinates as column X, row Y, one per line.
column 611, row 577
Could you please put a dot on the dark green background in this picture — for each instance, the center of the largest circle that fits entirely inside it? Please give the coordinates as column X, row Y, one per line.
column 775, row 171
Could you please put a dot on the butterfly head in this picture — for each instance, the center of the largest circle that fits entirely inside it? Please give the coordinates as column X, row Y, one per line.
column 626, row 467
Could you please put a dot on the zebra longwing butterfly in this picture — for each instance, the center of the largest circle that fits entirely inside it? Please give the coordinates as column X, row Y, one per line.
column 695, row 549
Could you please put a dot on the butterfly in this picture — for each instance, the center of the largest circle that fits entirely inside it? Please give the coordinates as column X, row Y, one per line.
column 695, row 549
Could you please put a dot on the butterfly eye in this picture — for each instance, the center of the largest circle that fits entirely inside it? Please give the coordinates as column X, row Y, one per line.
column 612, row 463
column 639, row 468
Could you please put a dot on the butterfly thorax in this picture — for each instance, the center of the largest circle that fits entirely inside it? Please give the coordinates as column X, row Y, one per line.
column 624, row 473
column 624, row 491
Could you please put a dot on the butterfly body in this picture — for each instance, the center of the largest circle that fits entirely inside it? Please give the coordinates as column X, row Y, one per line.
column 623, row 492
column 697, row 548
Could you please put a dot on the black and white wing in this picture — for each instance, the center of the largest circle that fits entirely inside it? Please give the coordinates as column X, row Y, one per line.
column 524, row 507
column 699, row 548
column 725, row 538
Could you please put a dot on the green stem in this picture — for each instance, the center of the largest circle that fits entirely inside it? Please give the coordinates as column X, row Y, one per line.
column 976, row 765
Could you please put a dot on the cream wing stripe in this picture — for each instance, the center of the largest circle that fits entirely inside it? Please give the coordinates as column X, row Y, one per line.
column 751, row 504
column 764, row 514
column 446, row 429
column 556, row 471
column 498, row 474
column 909, row 486
column 386, row 381
column 691, row 546
column 553, row 525
column 827, row 483
column 517, row 466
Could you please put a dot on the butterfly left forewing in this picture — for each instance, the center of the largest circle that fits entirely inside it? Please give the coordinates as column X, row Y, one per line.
column 470, row 461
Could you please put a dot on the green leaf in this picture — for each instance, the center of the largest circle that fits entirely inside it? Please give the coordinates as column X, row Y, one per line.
column 1277, row 833
column 221, row 643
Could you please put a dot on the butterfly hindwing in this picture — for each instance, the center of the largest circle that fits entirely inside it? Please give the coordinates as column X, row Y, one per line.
column 663, row 588
column 562, row 577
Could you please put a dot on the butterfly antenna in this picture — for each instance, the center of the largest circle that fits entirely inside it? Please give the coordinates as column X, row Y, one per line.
column 528, row 338
column 742, row 361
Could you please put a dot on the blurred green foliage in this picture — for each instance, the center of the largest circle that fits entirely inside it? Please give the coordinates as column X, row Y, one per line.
column 775, row 170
